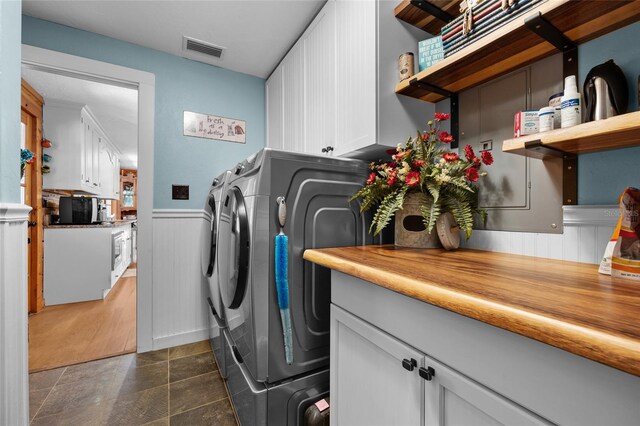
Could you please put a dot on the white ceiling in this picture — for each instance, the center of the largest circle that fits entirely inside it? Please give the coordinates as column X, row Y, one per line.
column 256, row 33
column 116, row 108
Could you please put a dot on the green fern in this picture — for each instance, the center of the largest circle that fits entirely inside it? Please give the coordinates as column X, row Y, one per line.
column 430, row 209
column 387, row 208
column 462, row 213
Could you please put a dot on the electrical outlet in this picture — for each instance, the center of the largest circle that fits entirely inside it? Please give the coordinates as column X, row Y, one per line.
column 179, row 192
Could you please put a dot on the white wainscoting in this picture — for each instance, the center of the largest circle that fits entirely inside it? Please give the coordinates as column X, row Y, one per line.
column 14, row 364
column 179, row 294
column 587, row 229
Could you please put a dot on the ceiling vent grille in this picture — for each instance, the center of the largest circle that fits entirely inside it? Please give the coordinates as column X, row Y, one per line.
column 193, row 45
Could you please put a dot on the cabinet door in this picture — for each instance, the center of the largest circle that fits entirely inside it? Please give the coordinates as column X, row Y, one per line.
column 369, row 385
column 293, row 100
column 274, row 109
column 319, row 81
column 116, row 178
column 87, row 157
column 95, row 160
column 355, row 75
column 453, row 399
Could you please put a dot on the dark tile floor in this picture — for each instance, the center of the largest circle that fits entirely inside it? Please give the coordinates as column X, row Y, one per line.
column 177, row 386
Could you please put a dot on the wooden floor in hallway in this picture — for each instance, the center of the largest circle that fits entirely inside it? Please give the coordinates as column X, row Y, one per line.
column 68, row 334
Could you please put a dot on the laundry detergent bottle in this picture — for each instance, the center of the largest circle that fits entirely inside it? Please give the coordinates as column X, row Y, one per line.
column 571, row 103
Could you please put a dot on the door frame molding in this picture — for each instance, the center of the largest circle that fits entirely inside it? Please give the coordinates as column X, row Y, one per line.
column 144, row 82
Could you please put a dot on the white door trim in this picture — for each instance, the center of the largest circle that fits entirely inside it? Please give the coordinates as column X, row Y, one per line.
column 62, row 63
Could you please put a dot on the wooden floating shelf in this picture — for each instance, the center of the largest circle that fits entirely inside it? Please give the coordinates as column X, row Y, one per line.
column 621, row 131
column 514, row 45
column 417, row 17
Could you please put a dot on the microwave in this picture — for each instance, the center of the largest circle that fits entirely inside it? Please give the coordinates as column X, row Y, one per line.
column 78, row 210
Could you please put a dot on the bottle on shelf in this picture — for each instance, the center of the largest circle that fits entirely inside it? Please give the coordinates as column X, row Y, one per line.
column 571, row 103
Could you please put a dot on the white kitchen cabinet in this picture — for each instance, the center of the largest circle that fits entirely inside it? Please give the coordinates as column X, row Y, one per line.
column 109, row 171
column 481, row 374
column 356, row 78
column 319, row 46
column 274, row 94
column 369, row 385
column 379, row 380
column 338, row 84
column 78, row 141
column 293, row 100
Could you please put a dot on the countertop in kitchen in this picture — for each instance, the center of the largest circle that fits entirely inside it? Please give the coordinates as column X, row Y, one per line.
column 113, row 224
column 568, row 305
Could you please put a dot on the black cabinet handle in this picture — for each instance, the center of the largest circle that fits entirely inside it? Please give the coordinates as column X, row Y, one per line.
column 409, row 364
column 327, row 149
column 427, row 373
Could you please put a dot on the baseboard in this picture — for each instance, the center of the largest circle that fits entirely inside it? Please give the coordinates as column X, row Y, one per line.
column 180, row 339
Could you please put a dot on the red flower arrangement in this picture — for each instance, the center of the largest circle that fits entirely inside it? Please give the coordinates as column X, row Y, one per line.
column 425, row 164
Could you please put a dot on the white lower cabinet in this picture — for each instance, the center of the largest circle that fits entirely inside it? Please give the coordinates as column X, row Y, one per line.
column 379, row 380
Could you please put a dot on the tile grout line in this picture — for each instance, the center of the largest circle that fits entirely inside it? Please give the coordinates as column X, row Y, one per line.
column 200, row 406
column 198, row 375
column 46, row 397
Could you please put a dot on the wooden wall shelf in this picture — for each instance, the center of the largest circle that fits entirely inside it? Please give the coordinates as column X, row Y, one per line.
column 621, row 131
column 414, row 15
column 514, row 45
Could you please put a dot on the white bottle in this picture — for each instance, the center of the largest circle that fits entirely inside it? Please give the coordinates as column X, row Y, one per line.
column 571, row 112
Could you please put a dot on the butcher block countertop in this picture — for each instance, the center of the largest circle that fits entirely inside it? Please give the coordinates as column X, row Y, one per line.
column 568, row 305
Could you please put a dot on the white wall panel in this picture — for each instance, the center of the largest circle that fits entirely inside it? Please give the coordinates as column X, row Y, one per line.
column 179, row 293
column 587, row 229
column 14, row 367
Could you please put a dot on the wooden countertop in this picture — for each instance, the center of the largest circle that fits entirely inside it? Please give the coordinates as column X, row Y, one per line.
column 112, row 224
column 568, row 305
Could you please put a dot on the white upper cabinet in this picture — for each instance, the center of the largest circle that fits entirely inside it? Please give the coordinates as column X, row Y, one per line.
column 293, row 100
column 338, row 84
column 78, row 153
column 274, row 109
column 356, row 75
column 319, row 46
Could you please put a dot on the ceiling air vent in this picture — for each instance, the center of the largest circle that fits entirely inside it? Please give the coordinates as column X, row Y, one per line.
column 193, row 45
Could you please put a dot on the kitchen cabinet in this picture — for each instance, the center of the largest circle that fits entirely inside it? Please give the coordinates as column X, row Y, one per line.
column 109, row 171
column 482, row 374
column 379, row 380
column 273, row 88
column 79, row 261
column 78, row 141
column 336, row 95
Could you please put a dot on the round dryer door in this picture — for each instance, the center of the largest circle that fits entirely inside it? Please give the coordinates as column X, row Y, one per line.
column 233, row 248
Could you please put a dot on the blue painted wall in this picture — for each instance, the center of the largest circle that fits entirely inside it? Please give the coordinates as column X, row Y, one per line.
column 603, row 176
column 181, row 85
column 10, row 101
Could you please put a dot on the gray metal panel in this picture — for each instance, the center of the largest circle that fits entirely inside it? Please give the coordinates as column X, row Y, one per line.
column 280, row 405
column 520, row 194
column 317, row 191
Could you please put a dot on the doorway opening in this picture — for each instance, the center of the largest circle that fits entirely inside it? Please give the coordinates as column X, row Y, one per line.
column 85, row 307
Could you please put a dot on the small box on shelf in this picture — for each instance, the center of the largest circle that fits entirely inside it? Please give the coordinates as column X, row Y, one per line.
column 430, row 52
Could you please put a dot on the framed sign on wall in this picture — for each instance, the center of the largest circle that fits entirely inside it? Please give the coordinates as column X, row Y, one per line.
column 214, row 127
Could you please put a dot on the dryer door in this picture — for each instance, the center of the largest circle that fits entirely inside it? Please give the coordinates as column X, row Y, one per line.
column 233, row 246
column 214, row 235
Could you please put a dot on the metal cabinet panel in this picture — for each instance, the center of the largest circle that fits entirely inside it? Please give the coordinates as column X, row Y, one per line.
column 519, row 193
